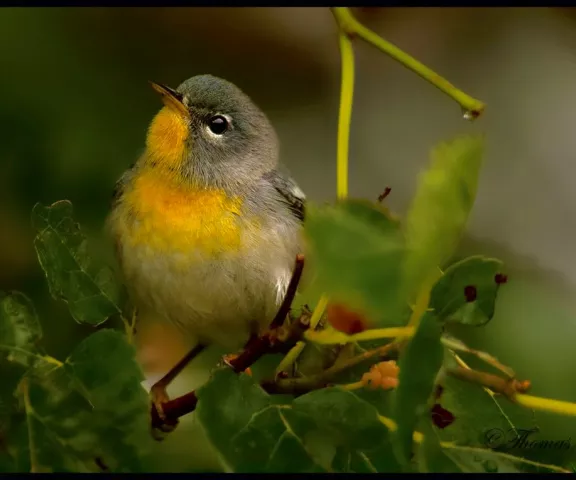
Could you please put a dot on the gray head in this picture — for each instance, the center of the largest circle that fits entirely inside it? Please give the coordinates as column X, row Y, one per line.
column 228, row 139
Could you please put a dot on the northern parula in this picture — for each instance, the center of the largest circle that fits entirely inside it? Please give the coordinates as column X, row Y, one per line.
column 206, row 223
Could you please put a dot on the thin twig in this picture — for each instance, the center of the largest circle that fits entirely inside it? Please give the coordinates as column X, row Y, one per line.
column 335, row 337
column 529, row 401
column 269, row 342
column 508, row 387
column 459, row 346
column 284, row 309
column 290, row 358
column 313, row 382
column 384, row 194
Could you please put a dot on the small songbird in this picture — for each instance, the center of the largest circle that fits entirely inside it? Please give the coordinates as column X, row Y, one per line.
column 206, row 224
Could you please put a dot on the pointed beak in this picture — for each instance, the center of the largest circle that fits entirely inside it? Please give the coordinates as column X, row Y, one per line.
column 171, row 98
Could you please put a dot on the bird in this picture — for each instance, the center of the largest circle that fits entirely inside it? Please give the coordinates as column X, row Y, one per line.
column 207, row 222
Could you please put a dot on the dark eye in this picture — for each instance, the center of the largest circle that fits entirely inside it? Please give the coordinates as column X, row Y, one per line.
column 218, row 124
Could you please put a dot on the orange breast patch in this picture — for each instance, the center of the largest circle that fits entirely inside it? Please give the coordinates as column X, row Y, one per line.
column 166, row 140
column 172, row 217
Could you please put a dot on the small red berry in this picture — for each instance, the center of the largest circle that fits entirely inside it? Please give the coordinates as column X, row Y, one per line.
column 441, row 417
column 470, row 293
column 500, row 278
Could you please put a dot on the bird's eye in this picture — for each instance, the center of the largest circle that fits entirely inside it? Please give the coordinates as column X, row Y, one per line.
column 218, row 124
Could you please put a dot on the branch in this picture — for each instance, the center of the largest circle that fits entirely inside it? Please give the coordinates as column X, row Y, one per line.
column 459, row 346
column 272, row 341
column 269, row 342
column 345, row 114
column 314, row 382
column 295, row 352
column 348, row 24
column 335, row 337
column 343, row 136
column 508, row 387
column 384, row 194
column 284, row 309
column 529, row 401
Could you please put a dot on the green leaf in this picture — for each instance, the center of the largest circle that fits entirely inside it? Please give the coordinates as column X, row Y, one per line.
column 419, row 365
column 430, row 456
column 357, row 252
column 342, row 411
column 313, row 434
column 315, row 358
column 20, row 333
column 444, row 457
column 274, row 441
column 59, row 437
column 482, row 422
column 251, row 433
column 379, row 460
column 91, row 291
column 13, row 460
column 478, row 427
column 465, row 400
column 90, row 414
column 440, row 209
column 20, row 329
column 94, row 363
column 104, row 368
column 449, row 295
column 482, row 460
column 353, row 425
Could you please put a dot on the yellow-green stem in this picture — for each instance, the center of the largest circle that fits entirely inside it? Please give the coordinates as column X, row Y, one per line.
column 536, row 403
column 546, row 404
column 352, row 386
column 24, row 390
column 318, row 312
column 353, row 27
column 286, row 363
column 334, row 337
column 422, row 302
column 45, row 358
column 343, row 146
column 345, row 114
column 297, row 349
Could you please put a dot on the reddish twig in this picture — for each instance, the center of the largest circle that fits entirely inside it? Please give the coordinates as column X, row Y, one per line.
column 284, row 309
column 255, row 348
column 384, row 194
column 174, row 409
column 267, row 343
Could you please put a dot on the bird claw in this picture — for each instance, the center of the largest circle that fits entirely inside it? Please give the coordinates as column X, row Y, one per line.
column 274, row 335
column 160, row 424
column 227, row 359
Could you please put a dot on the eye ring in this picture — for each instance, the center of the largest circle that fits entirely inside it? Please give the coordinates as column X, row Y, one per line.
column 218, row 124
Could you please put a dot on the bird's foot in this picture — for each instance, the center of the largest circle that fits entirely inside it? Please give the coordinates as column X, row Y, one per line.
column 275, row 335
column 160, row 424
column 227, row 359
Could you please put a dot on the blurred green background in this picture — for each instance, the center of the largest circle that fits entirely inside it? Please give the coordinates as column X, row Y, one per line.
column 75, row 104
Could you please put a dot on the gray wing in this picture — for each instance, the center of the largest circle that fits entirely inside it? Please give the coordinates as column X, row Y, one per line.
column 289, row 192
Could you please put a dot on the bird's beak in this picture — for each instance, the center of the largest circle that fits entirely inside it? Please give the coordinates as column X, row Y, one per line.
column 171, row 98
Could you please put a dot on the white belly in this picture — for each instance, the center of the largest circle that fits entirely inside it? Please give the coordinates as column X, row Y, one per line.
column 221, row 301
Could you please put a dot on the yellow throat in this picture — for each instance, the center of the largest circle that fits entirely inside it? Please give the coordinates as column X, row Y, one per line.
column 174, row 216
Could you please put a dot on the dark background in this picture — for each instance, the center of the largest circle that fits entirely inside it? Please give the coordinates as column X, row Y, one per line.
column 75, row 104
